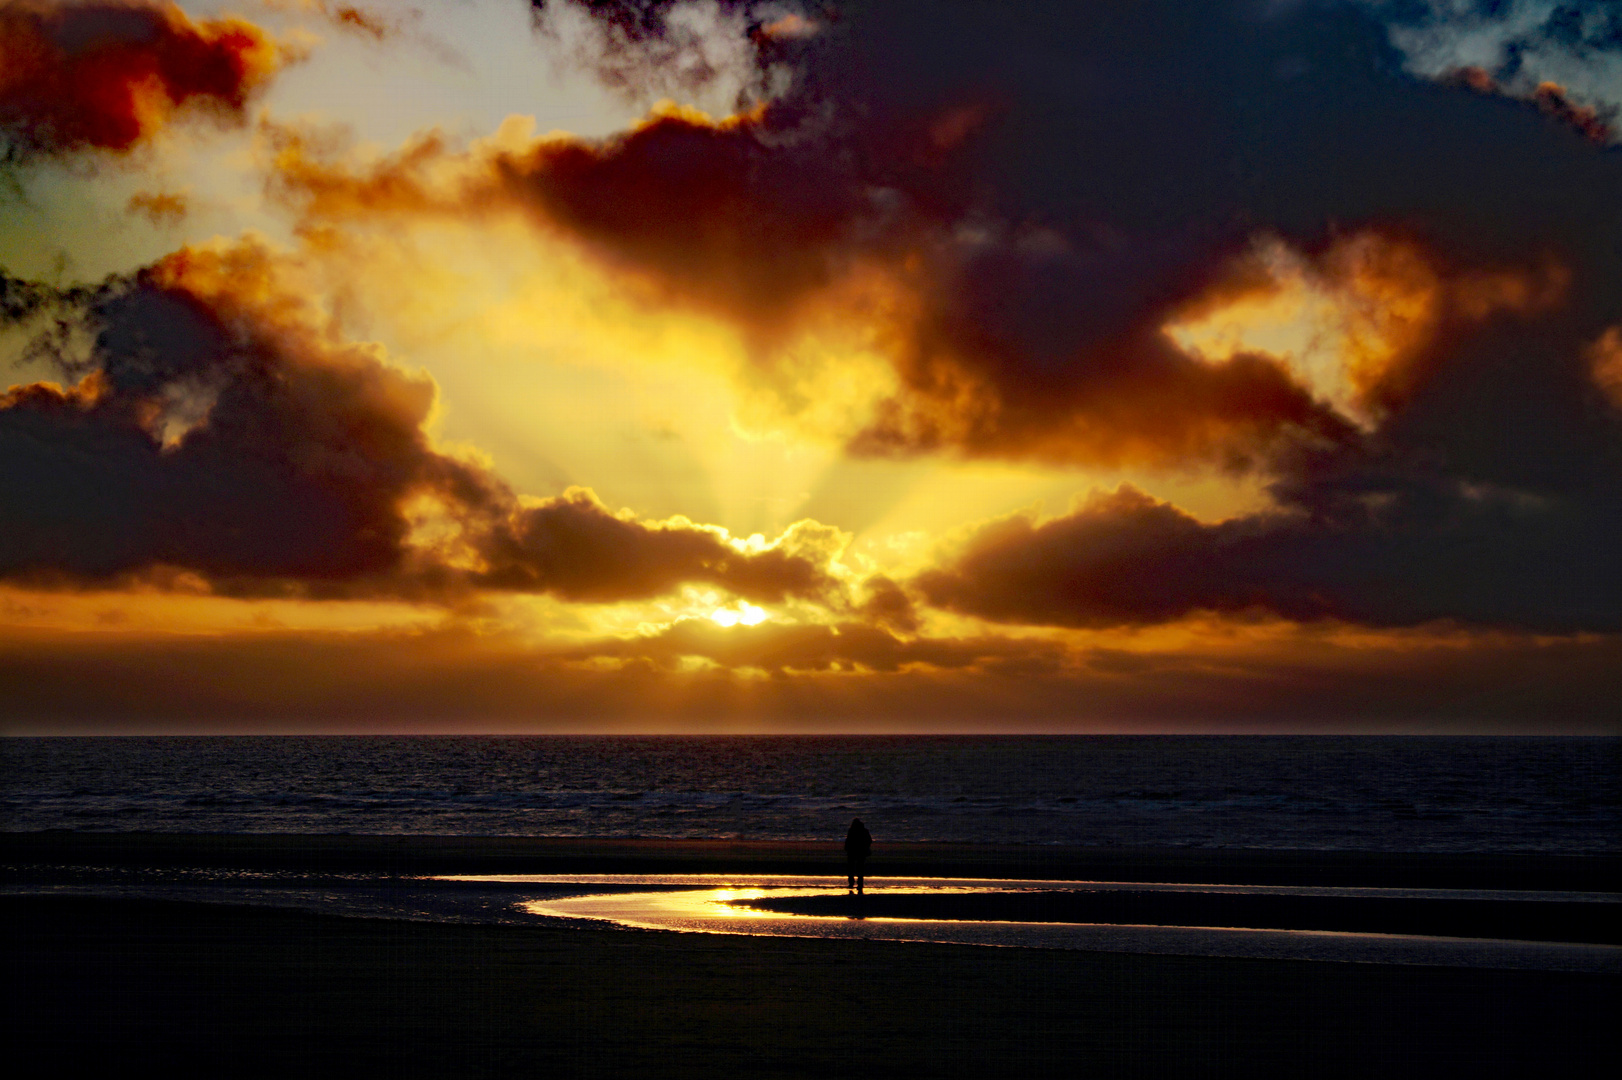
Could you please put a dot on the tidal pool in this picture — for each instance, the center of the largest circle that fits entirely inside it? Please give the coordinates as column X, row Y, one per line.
column 720, row 904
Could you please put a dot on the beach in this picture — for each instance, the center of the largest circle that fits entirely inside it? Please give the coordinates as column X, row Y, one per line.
column 106, row 983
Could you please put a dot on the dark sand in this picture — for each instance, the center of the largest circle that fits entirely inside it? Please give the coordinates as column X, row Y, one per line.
column 118, row 985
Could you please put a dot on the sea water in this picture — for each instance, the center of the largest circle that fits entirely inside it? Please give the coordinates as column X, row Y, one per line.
column 1443, row 794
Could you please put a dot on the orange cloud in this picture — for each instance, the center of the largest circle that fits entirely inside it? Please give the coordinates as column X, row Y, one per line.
column 1605, row 360
column 159, row 207
column 1551, row 99
column 1554, row 101
column 1363, row 322
column 106, row 75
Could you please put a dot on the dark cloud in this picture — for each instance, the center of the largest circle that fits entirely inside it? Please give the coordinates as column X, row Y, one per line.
column 574, row 547
column 215, row 428
column 205, row 435
column 888, row 605
column 106, row 74
column 706, row 212
column 1392, row 557
column 21, row 300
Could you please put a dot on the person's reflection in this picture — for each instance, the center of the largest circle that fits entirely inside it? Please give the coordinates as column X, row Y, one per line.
column 858, row 844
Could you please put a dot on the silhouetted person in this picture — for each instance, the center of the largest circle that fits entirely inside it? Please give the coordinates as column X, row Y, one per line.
column 858, row 843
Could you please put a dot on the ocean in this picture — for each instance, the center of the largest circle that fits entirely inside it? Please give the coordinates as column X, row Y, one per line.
column 1384, row 794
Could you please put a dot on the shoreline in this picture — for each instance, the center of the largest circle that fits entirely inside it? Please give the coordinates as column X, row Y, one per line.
column 408, row 855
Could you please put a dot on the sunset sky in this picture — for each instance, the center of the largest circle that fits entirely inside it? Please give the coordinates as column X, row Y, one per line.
column 728, row 366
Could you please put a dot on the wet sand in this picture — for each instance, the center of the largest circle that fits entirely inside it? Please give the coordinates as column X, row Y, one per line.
column 117, row 984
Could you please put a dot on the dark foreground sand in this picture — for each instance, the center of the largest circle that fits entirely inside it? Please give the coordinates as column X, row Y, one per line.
column 194, row 989
column 117, row 986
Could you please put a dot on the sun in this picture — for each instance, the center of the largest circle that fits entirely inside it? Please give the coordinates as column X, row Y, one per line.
column 746, row 614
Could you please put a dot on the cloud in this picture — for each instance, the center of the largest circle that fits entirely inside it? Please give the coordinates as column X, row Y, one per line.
column 1401, row 556
column 1015, row 209
column 703, row 210
column 361, row 21
column 213, row 428
column 1606, row 357
column 573, row 547
column 719, row 216
column 1523, row 48
column 108, row 74
column 1550, row 97
column 850, row 647
column 647, row 49
column 1553, row 99
column 1372, row 315
column 377, row 26
column 219, row 427
column 160, row 207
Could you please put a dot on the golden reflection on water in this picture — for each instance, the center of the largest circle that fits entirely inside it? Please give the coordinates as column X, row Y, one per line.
column 716, row 910
column 723, row 909
column 719, row 900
